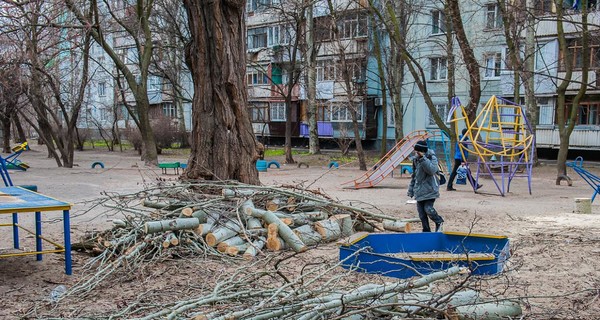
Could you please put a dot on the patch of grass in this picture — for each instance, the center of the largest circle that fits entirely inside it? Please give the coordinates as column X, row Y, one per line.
column 281, row 152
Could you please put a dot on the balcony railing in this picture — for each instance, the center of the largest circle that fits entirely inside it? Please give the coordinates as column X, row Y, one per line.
column 324, row 128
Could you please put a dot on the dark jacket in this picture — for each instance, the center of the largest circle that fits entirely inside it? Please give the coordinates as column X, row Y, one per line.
column 424, row 183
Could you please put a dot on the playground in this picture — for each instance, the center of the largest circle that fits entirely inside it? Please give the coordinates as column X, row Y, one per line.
column 554, row 250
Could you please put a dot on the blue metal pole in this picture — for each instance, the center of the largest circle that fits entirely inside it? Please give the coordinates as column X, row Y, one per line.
column 67, row 231
column 38, row 234
column 15, row 221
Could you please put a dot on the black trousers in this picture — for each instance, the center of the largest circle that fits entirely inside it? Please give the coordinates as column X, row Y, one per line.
column 427, row 211
column 457, row 163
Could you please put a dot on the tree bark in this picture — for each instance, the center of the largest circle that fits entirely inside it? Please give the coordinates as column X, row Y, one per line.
column 223, row 142
column 469, row 58
column 311, row 92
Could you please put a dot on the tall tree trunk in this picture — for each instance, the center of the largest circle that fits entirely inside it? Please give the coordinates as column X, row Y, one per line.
column 565, row 128
column 223, row 143
column 21, row 136
column 289, row 159
column 5, row 119
column 311, row 59
column 381, row 74
column 469, row 58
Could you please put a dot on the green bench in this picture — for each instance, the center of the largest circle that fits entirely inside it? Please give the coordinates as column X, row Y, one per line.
column 173, row 165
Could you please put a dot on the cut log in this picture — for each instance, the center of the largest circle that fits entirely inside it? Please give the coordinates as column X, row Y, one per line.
column 275, row 204
column 223, row 245
column 233, row 193
column 253, row 249
column 363, row 226
column 253, row 233
column 167, row 242
column 396, row 225
column 490, row 310
column 291, row 204
column 308, row 235
column 187, row 212
column 171, row 225
column 119, row 223
column 201, row 215
column 230, row 229
column 161, row 205
column 253, row 223
column 310, row 205
column 276, row 244
column 302, row 218
column 291, row 239
column 174, row 240
column 203, row 229
column 328, row 229
column 235, row 250
column 287, row 221
column 345, row 223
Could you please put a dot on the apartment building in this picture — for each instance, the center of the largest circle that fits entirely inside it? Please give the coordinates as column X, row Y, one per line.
column 276, row 45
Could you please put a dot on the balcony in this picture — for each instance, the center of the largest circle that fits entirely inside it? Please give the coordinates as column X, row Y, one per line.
column 324, row 128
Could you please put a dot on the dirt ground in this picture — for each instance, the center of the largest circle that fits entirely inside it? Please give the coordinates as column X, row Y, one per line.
column 555, row 252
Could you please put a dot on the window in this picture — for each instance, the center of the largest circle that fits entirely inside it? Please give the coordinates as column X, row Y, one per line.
column 257, row 38
column 169, row 110
column 323, row 113
column 575, row 47
column 493, row 17
column 279, row 35
column 442, row 111
column 325, row 70
column 258, row 112
column 342, row 112
column 154, row 83
column 257, row 77
column 258, row 5
column 493, row 65
column 102, row 89
column 439, row 69
column 543, row 7
column 278, row 111
column 546, row 111
column 438, row 22
column 352, row 26
column 588, row 113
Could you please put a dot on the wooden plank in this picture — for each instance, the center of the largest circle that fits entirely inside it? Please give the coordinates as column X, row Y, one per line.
column 443, row 256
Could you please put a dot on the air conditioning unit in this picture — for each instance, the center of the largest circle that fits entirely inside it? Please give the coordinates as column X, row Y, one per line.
column 378, row 102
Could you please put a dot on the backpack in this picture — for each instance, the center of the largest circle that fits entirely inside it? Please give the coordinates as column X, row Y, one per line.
column 441, row 175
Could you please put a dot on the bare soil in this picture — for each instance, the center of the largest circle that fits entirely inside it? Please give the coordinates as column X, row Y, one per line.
column 555, row 252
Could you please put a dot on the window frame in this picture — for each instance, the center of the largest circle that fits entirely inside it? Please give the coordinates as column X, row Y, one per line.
column 438, row 22
column 495, row 72
column 102, row 89
column 169, row 110
column 336, row 109
column 438, row 69
column 256, row 77
column 431, row 120
column 277, row 112
column 259, row 112
column 493, row 16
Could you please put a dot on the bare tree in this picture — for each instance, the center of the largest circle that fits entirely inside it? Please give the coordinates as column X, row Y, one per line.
column 352, row 75
column 566, row 115
column 11, row 89
column 125, row 34
column 223, row 143
column 56, row 58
